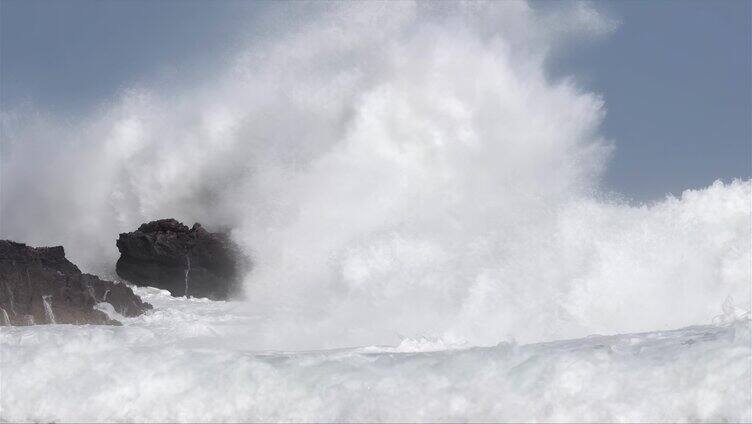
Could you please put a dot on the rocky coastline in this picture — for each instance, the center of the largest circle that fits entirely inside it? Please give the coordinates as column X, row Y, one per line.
column 38, row 285
column 185, row 261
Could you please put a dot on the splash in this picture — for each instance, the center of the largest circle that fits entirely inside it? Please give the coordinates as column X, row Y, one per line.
column 401, row 170
column 188, row 362
column 731, row 313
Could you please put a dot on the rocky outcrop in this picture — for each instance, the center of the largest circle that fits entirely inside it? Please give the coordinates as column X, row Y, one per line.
column 186, row 261
column 40, row 286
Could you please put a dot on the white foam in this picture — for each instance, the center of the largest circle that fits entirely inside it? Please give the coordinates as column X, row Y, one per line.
column 179, row 364
column 392, row 170
column 404, row 175
column 109, row 310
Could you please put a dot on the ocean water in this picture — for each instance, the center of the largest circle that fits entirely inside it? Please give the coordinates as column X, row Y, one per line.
column 425, row 209
column 392, row 170
column 188, row 361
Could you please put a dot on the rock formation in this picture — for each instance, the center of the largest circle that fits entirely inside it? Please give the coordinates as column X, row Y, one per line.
column 186, row 261
column 40, row 286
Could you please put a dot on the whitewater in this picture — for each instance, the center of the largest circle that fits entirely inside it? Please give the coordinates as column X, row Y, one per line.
column 189, row 361
column 430, row 234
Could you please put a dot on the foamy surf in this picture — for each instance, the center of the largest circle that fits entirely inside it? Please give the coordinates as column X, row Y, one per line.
column 180, row 363
column 422, row 202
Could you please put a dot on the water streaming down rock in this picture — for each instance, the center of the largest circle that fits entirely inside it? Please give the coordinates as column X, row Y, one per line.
column 48, row 313
column 92, row 293
column 384, row 192
column 10, row 297
column 187, row 271
column 6, row 318
column 164, row 252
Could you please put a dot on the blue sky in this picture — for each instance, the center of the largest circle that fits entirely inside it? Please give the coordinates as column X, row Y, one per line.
column 676, row 80
column 675, row 75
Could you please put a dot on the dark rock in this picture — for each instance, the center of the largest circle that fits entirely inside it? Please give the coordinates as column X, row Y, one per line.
column 186, row 261
column 40, row 286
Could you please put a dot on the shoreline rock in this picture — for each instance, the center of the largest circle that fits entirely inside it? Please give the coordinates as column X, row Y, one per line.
column 185, row 261
column 38, row 285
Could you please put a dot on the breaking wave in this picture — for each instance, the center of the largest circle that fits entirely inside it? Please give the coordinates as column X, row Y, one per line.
column 182, row 364
column 397, row 171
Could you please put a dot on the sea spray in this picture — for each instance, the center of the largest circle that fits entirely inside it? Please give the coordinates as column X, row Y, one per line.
column 383, row 192
column 181, row 357
column 393, row 203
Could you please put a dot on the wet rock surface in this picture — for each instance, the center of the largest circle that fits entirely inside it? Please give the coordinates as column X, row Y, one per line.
column 40, row 286
column 185, row 261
